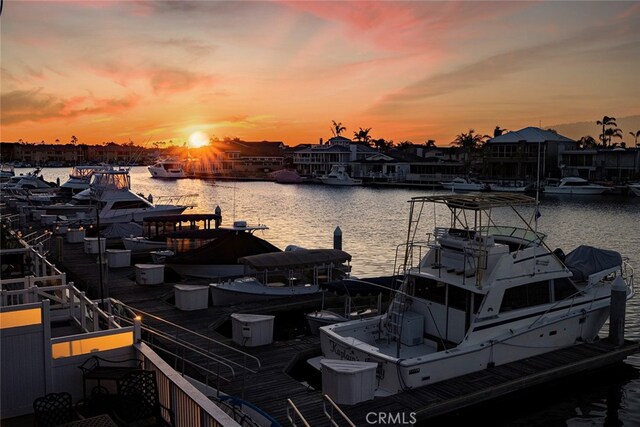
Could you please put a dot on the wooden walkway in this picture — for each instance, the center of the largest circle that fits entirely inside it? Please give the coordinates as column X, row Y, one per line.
column 271, row 386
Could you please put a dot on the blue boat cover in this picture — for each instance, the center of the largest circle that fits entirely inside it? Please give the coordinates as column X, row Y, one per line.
column 584, row 260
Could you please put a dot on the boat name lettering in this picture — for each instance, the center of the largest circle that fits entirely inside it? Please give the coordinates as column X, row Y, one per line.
column 342, row 352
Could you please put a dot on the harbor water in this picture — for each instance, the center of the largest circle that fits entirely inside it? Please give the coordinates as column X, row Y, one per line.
column 374, row 222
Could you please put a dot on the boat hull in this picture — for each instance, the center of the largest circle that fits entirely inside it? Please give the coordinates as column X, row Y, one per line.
column 248, row 290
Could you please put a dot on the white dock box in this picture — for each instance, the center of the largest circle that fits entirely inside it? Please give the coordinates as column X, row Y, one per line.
column 149, row 274
column 117, row 258
column 252, row 330
column 191, row 297
column 75, row 235
column 91, row 245
column 348, row 382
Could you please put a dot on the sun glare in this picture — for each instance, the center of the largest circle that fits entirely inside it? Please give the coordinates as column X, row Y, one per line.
column 198, row 139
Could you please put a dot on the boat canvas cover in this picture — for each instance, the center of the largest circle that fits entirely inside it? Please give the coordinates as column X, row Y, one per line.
column 584, row 260
column 225, row 250
column 130, row 229
column 297, row 258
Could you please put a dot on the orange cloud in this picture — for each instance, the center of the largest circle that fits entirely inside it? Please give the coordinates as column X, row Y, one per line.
column 37, row 106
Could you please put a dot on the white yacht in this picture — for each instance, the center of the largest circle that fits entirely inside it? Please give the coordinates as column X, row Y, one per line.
column 29, row 181
column 80, row 178
column 6, row 172
column 463, row 184
column 574, row 185
column 482, row 295
column 170, row 168
column 338, row 175
column 110, row 193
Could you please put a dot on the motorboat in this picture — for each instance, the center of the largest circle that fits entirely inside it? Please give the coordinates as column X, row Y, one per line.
column 286, row 176
column 574, row 185
column 110, row 194
column 169, row 168
column 218, row 257
column 477, row 294
column 284, row 274
column 464, row 184
column 80, row 178
column 32, row 181
column 6, row 172
column 339, row 176
column 635, row 188
column 512, row 187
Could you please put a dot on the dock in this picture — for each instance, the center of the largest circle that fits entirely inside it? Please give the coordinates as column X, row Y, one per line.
column 273, row 383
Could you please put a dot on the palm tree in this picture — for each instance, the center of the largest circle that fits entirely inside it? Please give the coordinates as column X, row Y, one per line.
column 635, row 136
column 337, row 128
column 605, row 122
column 612, row 133
column 469, row 142
column 74, row 140
column 430, row 143
column 498, row 131
column 363, row 136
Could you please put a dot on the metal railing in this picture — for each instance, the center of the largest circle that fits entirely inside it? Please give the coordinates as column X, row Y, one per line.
column 334, row 409
column 293, row 414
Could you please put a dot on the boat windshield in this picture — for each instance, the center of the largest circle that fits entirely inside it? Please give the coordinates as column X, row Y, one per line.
column 111, row 181
column 82, row 172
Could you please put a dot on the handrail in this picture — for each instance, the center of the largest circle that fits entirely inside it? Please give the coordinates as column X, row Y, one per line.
column 296, row 412
column 210, row 340
column 334, row 406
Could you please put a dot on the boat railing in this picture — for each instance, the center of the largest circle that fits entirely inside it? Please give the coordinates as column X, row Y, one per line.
column 188, row 200
column 293, row 415
column 333, row 410
column 524, row 234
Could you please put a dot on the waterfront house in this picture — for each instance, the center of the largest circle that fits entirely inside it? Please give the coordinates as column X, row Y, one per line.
column 317, row 159
column 515, row 154
column 617, row 164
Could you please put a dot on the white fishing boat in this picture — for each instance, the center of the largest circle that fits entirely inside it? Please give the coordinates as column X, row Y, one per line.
column 288, row 274
column 6, row 172
column 574, row 185
column 110, row 194
column 80, row 178
column 482, row 295
column 32, row 181
column 170, row 168
column 463, row 184
column 339, row 176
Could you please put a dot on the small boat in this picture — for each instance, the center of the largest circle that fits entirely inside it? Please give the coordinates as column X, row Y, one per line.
column 286, row 176
column 339, row 176
column 574, row 185
column 512, row 187
column 480, row 295
column 287, row 274
column 169, row 168
column 6, row 172
column 635, row 188
column 32, row 181
column 463, row 184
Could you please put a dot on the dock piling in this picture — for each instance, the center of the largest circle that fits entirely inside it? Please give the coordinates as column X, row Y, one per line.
column 617, row 311
column 337, row 239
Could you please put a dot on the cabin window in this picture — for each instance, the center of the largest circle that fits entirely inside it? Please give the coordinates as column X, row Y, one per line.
column 458, row 298
column 129, row 204
column 477, row 302
column 430, row 290
column 528, row 295
column 563, row 288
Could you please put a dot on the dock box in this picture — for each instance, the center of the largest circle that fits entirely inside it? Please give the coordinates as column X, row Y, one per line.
column 252, row 330
column 75, row 235
column 149, row 274
column 117, row 258
column 91, row 245
column 348, row 382
column 191, row 297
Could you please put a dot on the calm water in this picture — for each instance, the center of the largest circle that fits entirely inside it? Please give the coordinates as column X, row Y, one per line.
column 374, row 222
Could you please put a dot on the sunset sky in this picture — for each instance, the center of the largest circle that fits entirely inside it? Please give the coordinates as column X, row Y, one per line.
column 283, row 70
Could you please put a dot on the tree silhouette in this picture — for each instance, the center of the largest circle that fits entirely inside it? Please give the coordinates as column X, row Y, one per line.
column 606, row 122
column 74, row 140
column 363, row 136
column 498, row 131
column 635, row 136
column 337, row 128
column 430, row 143
column 587, row 142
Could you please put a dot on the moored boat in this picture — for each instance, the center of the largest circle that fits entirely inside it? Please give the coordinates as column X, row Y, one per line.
column 339, row 176
column 574, row 185
column 482, row 295
column 463, row 184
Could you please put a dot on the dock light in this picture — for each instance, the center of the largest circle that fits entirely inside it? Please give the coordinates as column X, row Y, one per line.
column 138, row 318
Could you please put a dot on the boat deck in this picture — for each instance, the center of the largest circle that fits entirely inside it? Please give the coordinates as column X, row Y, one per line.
column 270, row 388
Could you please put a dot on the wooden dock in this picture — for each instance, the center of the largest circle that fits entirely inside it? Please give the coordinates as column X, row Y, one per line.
column 272, row 385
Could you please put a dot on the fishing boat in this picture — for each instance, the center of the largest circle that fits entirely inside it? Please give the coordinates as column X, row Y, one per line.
column 6, row 172
column 574, row 185
column 464, row 184
column 339, row 176
column 80, row 178
column 477, row 294
column 285, row 274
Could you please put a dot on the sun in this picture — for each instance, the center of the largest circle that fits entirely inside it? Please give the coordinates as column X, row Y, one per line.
column 198, row 139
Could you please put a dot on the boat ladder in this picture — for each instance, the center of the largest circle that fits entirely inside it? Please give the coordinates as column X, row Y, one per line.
column 395, row 314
